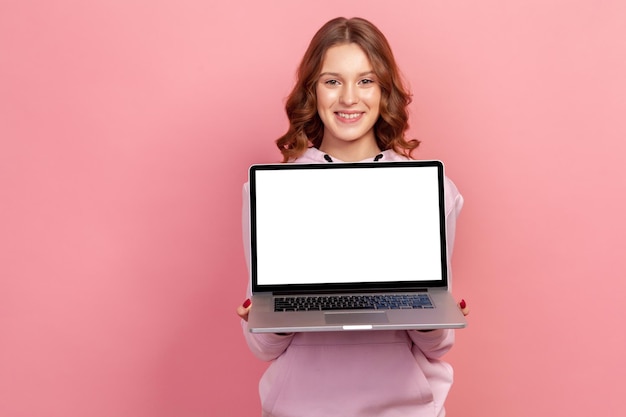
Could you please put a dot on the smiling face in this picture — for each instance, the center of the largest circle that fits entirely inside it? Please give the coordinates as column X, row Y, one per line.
column 348, row 102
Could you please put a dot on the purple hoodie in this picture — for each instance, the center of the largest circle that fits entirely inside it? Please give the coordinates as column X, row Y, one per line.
column 361, row 373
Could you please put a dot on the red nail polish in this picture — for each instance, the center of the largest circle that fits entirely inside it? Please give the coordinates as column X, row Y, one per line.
column 463, row 304
column 247, row 303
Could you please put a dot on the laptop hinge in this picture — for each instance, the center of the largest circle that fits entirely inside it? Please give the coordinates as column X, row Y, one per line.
column 351, row 291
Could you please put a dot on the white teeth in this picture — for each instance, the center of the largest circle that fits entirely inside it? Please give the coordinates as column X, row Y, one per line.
column 349, row 115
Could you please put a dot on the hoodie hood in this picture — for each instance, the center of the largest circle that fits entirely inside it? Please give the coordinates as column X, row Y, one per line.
column 315, row 156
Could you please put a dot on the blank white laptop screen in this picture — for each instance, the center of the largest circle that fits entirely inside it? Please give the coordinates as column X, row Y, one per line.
column 316, row 226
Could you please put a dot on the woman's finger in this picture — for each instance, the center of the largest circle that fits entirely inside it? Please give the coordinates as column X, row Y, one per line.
column 464, row 308
column 244, row 309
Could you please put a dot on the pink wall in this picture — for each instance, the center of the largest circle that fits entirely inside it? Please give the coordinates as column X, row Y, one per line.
column 125, row 132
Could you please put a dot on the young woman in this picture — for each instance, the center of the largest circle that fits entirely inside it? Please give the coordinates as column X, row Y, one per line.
column 349, row 104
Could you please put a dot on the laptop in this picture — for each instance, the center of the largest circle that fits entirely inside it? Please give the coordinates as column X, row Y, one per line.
column 349, row 246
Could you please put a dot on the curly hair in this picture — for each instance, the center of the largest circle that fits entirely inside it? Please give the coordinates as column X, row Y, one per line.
column 305, row 126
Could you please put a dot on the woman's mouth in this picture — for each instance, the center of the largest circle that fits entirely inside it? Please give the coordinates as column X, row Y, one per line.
column 349, row 117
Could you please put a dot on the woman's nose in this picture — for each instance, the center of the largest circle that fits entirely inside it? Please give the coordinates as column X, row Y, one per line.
column 349, row 95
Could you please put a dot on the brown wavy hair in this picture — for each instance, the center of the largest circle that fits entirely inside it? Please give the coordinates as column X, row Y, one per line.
column 305, row 126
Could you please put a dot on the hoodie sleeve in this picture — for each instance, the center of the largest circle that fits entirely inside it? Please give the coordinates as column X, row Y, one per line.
column 265, row 346
column 433, row 344
column 436, row 343
column 453, row 205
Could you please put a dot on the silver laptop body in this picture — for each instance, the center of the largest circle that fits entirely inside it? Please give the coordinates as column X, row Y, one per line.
column 349, row 246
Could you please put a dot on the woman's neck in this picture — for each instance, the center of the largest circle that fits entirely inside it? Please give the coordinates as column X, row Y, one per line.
column 351, row 152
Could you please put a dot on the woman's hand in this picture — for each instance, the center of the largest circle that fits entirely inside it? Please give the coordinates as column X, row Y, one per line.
column 244, row 309
column 464, row 308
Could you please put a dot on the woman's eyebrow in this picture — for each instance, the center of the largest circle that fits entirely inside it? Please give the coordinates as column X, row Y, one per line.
column 332, row 74
column 336, row 74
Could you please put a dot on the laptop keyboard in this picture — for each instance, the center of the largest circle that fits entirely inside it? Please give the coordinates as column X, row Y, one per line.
column 353, row 302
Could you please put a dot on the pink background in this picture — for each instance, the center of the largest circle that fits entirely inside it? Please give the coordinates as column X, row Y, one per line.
column 126, row 128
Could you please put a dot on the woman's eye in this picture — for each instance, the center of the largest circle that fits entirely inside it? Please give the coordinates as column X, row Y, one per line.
column 367, row 81
column 331, row 82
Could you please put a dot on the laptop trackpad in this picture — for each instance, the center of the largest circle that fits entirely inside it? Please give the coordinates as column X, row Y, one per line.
column 356, row 318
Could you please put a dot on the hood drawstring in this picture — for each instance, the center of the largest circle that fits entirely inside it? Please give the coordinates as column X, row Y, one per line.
column 376, row 158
